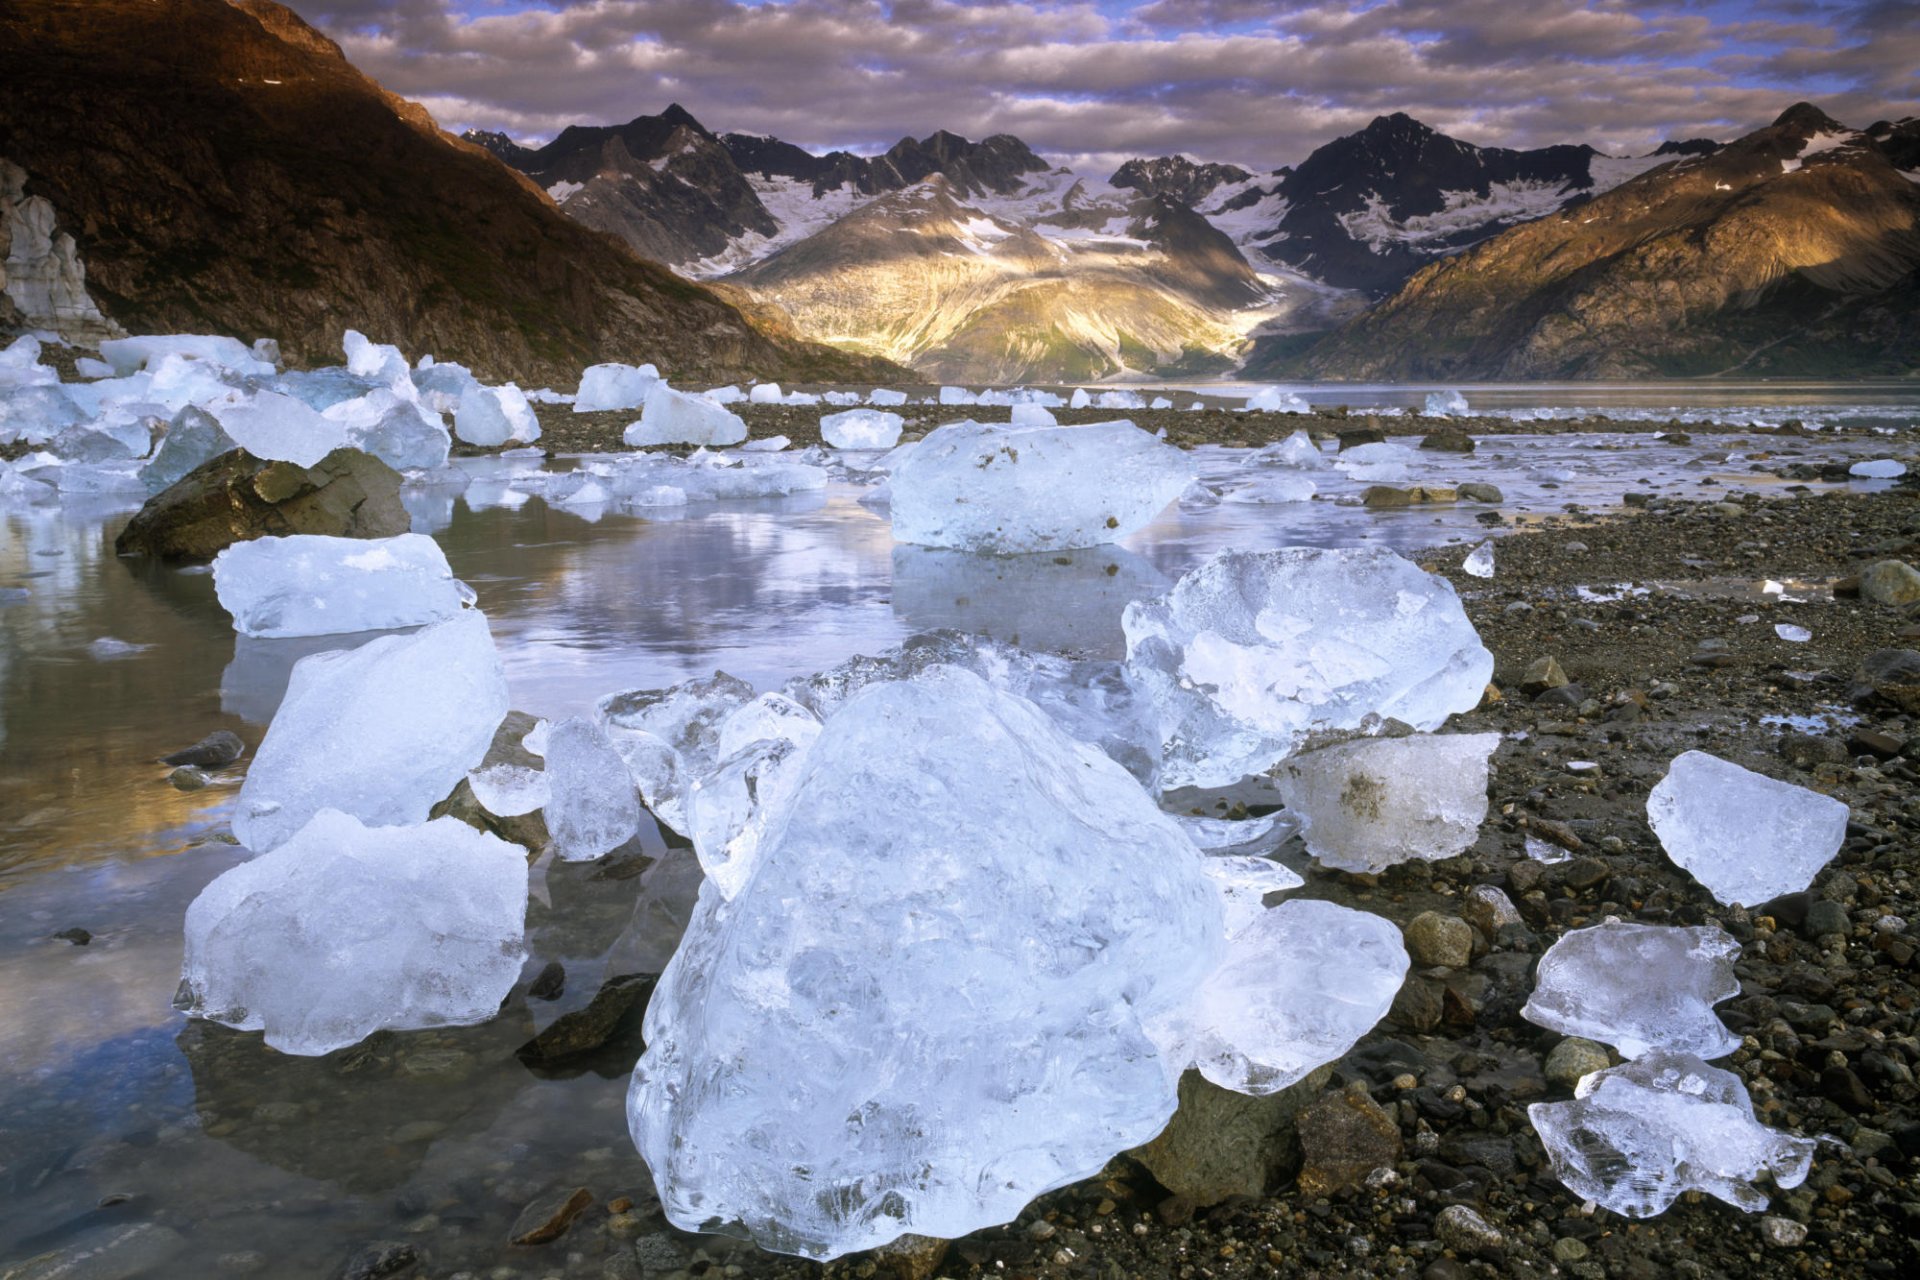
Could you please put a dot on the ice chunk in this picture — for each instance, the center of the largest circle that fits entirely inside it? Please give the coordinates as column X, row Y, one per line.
column 957, row 395
column 1283, row 487
column 766, row 444
column 1299, row 986
column 1297, row 450
column 1055, row 601
column 761, row 746
column 1243, row 836
column 1274, row 400
column 674, row 417
column 129, row 355
column 17, row 489
column 1376, row 463
column 1007, row 489
column 107, row 648
column 1541, row 851
column 383, row 731
column 509, row 790
column 35, row 414
column 401, row 433
column 1636, row 1137
column 929, row 1001
column 278, row 427
column 1033, row 415
column 493, row 416
column 374, row 361
column 193, row 437
column 1119, row 400
column 614, row 386
column 669, row 737
column 1479, row 561
column 887, row 396
column 1243, row 882
column 724, row 395
column 593, row 808
column 1792, row 634
column 1254, row 649
column 1445, row 404
column 1743, row 835
column 311, row 585
column 766, row 393
column 1079, row 399
column 1878, row 469
column 1379, row 801
column 345, row 930
column 1639, row 987
column 862, row 429
column 120, row 441
column 441, row 384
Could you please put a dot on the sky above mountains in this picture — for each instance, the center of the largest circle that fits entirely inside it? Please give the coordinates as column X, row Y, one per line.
column 1256, row 83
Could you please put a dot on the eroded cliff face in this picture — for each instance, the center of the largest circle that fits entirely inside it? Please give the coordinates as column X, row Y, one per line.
column 222, row 167
column 1791, row 250
column 42, row 279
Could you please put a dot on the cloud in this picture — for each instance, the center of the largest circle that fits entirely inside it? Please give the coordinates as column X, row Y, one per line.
column 1252, row 82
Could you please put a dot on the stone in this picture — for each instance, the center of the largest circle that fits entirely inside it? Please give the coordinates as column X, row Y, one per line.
column 1355, row 437
column 1221, row 1144
column 1344, row 1136
column 1448, row 440
column 1825, row 918
column 1461, row 1228
column 1488, row 909
column 1743, row 835
column 547, row 1218
column 1541, row 675
column 218, row 749
column 1783, row 1233
column 912, row 1257
column 1892, row 675
column 1639, row 987
column 1375, row 802
column 1477, row 491
column 583, row 1031
column 1573, row 1059
column 1434, row 939
column 1893, row 582
column 188, row 778
column 236, row 496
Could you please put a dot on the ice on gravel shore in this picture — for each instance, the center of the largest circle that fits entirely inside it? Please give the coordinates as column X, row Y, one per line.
column 344, row 930
column 615, row 386
column 1376, row 802
column 674, row 417
column 1745, row 836
column 886, row 396
column 1297, row 450
column 593, row 807
column 492, row 416
column 383, row 732
column 1878, row 469
column 1274, row 400
column 1032, row 415
column 1445, row 404
column 1005, row 489
column 1639, row 987
column 670, row 737
column 862, row 429
column 766, row 393
column 1636, row 1137
column 1479, row 561
column 277, row 427
column 1254, row 650
column 312, row 585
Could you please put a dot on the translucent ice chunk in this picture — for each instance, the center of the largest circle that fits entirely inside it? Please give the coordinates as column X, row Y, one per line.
column 766, row 393
column 887, row 396
column 1005, row 489
column 1745, row 836
column 1297, row 450
column 928, row 1004
column 1254, row 649
column 310, row 585
column 1380, row 801
column 614, row 386
column 1280, row 487
column 383, row 731
column 1274, row 400
column 592, row 807
column 674, row 417
column 36, row 414
column 1479, row 561
column 862, row 429
column 278, row 427
column 345, row 930
column 509, row 790
column 1541, row 851
column 1636, row 1137
column 193, row 437
column 1792, row 634
column 1878, row 469
column 493, row 416
column 398, row 431
column 1376, row 463
column 1444, row 404
column 1639, row 987
column 668, row 737
column 128, row 355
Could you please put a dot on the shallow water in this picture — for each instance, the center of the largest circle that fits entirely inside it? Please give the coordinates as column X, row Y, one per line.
column 228, row 1150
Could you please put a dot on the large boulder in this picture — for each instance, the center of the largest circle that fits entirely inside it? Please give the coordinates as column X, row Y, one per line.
column 236, row 497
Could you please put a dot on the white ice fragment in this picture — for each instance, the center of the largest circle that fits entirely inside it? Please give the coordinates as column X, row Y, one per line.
column 492, row 416
column 400, row 432
column 35, row 414
column 886, row 396
column 1005, row 489
column 728, row 394
column 1747, row 837
column 375, row 361
column 1445, row 404
column 929, row 1002
column 1541, row 851
column 129, row 355
column 669, row 737
column 766, row 393
column 957, row 395
column 383, row 732
column 761, row 746
column 441, row 384
column 1381, row 463
column 1792, row 634
column 674, row 417
column 1379, row 801
column 1878, row 469
column 592, row 806
column 1080, row 399
column 766, row 444
column 509, row 790
column 312, row 585
column 614, row 386
column 862, row 429
column 107, row 648
column 1271, row 489
column 1119, row 400
column 278, row 427
column 1639, row 987
column 1248, row 836
column 536, row 739
column 1297, row 450
column 1637, row 1136
column 1479, row 561
column 1274, row 400
column 1032, row 415
column 345, row 930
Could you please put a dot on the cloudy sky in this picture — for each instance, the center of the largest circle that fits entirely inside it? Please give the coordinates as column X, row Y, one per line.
column 1259, row 84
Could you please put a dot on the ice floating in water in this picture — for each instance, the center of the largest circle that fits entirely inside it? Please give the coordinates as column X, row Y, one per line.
column 669, row 737
column 592, row 807
column 766, row 444
column 1297, row 450
column 509, row 790
column 1254, row 649
column 1636, row 1137
column 1007, row 489
column 491, row 416
column 614, row 386
column 1479, row 561
column 1745, row 836
column 1274, row 400
column 762, row 746
column 383, row 732
column 1639, row 987
column 1792, row 634
column 36, row 414
column 1445, row 404
column 1282, row 487
column 674, row 417
column 107, row 648
column 345, row 930
column 278, row 427
column 310, row 585
column 1376, row 463
column 930, row 1001
column 399, row 431
column 655, row 480
column 862, row 429
column 1878, row 469
column 1380, row 801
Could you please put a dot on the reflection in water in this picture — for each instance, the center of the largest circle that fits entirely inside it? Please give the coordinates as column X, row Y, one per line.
column 255, row 682
column 1055, row 601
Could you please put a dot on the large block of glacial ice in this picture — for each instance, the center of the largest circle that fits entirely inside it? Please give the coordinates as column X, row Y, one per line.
column 345, row 930
column 129, row 355
column 493, row 416
column 1002, row 489
column 1636, row 1137
column 376, row 361
column 761, row 747
column 36, row 413
column 193, row 437
column 862, row 429
column 671, row 736
column 278, row 427
column 1255, row 649
column 312, row 585
column 440, row 384
column 1297, row 451
column 886, row 395
column 766, row 393
column 1745, row 836
column 929, row 1002
column 1274, row 400
column 1379, row 801
column 1298, row 988
column 1032, row 415
column 614, row 386
column 1445, row 404
column 592, row 806
column 674, row 417
column 1639, row 987
column 399, row 431
column 383, row 732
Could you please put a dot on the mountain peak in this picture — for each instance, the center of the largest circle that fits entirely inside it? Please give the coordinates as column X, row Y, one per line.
column 677, row 114
column 1805, row 117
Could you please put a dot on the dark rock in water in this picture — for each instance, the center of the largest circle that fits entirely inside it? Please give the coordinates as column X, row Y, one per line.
column 221, row 747
column 1222, row 1144
column 382, row 1258
column 528, row 830
column 1344, row 1137
column 1354, row 437
column 1449, row 440
column 237, row 497
column 584, row 1030
column 1476, row 491
column 551, row 982
column 78, row 937
column 188, row 778
column 548, row 1217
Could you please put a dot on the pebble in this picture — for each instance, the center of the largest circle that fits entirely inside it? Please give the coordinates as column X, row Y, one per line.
column 1435, row 939
column 1573, row 1058
column 1463, row 1230
column 1783, row 1233
column 187, row 778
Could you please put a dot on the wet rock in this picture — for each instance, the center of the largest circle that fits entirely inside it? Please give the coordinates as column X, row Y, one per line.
column 1893, row 582
column 1462, row 1229
column 1823, row 918
column 1573, row 1058
column 910, row 1257
column 237, row 497
column 219, row 748
column 1565, row 697
column 1448, row 440
column 528, row 830
column 1809, row 749
column 1344, row 1137
column 380, row 1259
column 550, row 983
column 1783, row 1233
column 1354, row 437
column 547, row 1218
column 1385, row 495
column 584, row 1030
column 1476, row 491
column 1892, row 675
column 188, row 778
column 78, row 937
column 1435, row 939
column 1222, row 1144
column 117, row 1252
column 1872, row 742
column 659, row 1252
column 1489, row 910
column 1541, row 675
